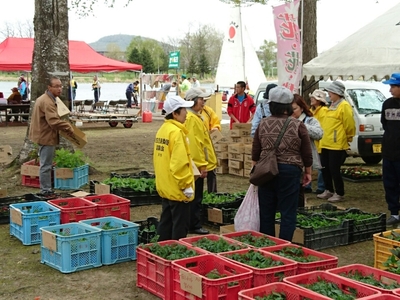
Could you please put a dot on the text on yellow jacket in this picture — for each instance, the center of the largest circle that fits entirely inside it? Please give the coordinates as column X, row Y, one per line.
column 172, row 161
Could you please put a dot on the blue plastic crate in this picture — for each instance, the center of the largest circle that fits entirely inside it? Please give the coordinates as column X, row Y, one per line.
column 119, row 239
column 26, row 219
column 81, row 177
column 71, row 247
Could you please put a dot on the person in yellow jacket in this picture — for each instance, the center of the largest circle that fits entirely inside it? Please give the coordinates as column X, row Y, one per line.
column 319, row 108
column 339, row 130
column 173, row 170
column 212, row 123
column 202, row 152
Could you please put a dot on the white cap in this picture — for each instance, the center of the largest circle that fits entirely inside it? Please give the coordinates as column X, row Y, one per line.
column 174, row 102
column 280, row 95
column 196, row 93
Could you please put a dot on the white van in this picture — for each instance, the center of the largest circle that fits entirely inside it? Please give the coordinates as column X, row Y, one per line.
column 366, row 99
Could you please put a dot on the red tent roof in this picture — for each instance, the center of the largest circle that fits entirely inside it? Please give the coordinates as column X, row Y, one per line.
column 16, row 55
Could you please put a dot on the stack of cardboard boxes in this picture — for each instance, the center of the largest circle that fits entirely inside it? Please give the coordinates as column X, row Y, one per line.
column 221, row 151
column 239, row 149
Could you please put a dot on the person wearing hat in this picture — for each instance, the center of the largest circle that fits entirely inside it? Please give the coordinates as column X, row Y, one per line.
column 14, row 98
column 185, row 84
column 262, row 109
column 391, row 149
column 202, row 151
column 339, row 129
column 241, row 106
column 173, row 170
column 293, row 155
column 318, row 108
column 212, row 123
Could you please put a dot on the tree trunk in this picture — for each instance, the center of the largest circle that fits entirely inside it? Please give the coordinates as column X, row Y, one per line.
column 50, row 58
column 309, row 31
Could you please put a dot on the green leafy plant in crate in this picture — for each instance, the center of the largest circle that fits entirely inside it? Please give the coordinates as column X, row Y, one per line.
column 68, row 159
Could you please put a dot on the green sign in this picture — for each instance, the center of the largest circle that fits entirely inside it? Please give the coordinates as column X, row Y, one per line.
column 174, row 60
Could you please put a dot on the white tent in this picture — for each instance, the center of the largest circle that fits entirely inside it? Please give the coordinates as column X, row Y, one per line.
column 371, row 52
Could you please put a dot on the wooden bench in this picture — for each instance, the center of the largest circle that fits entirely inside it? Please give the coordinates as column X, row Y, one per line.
column 7, row 111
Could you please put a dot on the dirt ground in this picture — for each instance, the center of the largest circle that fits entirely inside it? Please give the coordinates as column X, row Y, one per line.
column 122, row 150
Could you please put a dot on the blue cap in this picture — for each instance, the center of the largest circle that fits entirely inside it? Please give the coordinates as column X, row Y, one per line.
column 394, row 79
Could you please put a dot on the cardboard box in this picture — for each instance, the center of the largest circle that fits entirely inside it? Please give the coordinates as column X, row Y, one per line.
column 247, row 157
column 227, row 229
column 30, row 170
column 5, row 153
column 224, row 140
column 235, row 164
column 246, row 172
column 236, row 148
column 235, row 156
column 216, row 136
column 246, row 126
column 196, row 172
column 222, row 162
column 248, row 149
column 248, row 165
column 78, row 138
column 3, row 193
column 221, row 147
column 214, row 215
column 222, row 155
column 62, row 109
column 237, row 172
column 235, row 140
column 222, row 170
column 247, row 140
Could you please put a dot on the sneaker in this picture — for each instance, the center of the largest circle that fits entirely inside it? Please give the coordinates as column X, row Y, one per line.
column 325, row 195
column 392, row 221
column 319, row 191
column 336, row 198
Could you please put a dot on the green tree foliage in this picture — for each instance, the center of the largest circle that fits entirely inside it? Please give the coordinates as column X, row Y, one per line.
column 164, row 61
column 203, row 66
column 147, row 61
column 114, row 52
column 192, row 67
column 134, row 56
column 268, row 56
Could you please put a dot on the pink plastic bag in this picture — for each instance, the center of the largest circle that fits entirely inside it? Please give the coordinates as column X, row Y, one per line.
column 247, row 216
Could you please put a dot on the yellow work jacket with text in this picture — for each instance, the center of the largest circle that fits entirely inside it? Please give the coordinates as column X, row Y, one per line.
column 210, row 118
column 172, row 161
column 319, row 113
column 201, row 147
column 339, row 127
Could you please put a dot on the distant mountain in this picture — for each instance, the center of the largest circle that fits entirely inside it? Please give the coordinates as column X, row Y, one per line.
column 122, row 40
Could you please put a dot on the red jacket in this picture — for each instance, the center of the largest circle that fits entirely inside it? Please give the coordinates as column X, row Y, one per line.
column 241, row 110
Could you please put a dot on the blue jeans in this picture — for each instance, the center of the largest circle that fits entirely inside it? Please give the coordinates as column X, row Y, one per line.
column 280, row 194
column 320, row 181
column 391, row 183
column 46, row 155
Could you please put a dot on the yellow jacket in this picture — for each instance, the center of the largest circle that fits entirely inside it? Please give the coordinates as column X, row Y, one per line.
column 339, row 127
column 210, row 118
column 201, row 147
column 319, row 113
column 172, row 161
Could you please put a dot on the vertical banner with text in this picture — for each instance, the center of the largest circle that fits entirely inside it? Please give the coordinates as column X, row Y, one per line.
column 174, row 60
column 289, row 54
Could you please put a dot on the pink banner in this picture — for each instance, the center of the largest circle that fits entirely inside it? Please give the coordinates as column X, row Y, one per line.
column 289, row 56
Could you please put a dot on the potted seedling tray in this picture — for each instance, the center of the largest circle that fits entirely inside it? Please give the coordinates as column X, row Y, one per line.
column 360, row 174
column 6, row 201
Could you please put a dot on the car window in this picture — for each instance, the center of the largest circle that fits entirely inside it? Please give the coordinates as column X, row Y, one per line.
column 367, row 101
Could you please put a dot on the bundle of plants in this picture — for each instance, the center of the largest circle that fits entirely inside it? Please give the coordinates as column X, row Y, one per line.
column 67, row 159
column 222, row 199
column 255, row 241
column 170, row 252
column 296, row 254
column 360, row 173
column 135, row 184
column 217, row 246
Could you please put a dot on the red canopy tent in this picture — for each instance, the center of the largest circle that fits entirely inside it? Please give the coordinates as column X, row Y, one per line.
column 16, row 55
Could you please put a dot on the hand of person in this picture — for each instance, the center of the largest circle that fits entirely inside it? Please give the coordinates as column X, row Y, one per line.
column 188, row 192
column 203, row 174
column 306, row 179
column 214, row 129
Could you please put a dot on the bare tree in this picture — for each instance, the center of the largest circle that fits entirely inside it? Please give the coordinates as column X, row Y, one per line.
column 7, row 30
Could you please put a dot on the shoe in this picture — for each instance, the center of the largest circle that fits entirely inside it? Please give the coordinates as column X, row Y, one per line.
column 307, row 190
column 325, row 195
column 319, row 192
column 392, row 221
column 200, row 231
column 336, row 198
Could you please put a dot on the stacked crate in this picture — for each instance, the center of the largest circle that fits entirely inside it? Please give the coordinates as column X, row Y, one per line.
column 221, row 151
column 239, row 149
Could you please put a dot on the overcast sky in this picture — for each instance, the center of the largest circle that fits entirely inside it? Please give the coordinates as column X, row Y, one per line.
column 160, row 19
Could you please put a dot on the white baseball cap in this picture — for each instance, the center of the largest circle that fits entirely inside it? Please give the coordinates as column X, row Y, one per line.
column 174, row 102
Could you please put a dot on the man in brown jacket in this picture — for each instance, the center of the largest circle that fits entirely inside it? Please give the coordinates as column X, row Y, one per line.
column 45, row 124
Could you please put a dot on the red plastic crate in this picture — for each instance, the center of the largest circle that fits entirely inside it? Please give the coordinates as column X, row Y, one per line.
column 214, row 237
column 74, row 209
column 154, row 274
column 344, row 284
column 266, row 275
column 237, row 277
column 110, row 205
column 277, row 241
column 292, row 292
column 380, row 275
column 325, row 261
column 383, row 297
column 33, row 181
